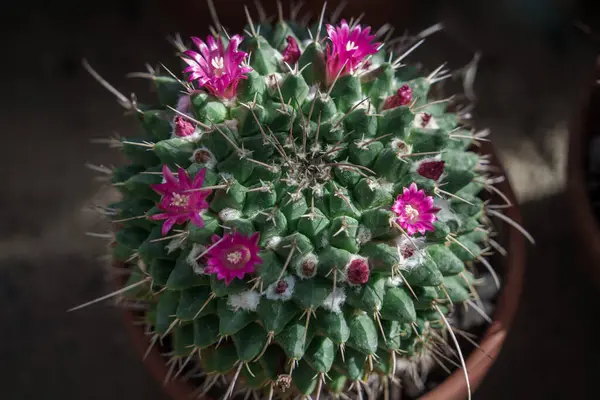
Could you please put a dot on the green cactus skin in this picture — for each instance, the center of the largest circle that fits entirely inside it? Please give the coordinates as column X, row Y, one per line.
column 315, row 170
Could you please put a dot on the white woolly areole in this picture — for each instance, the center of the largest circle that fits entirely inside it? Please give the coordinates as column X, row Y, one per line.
column 445, row 214
column 174, row 244
column 272, row 80
column 373, row 184
column 363, row 235
column 335, row 300
column 310, row 258
column 418, row 122
column 271, row 292
column 318, row 190
column 247, row 300
column 210, row 163
column 415, row 245
column 400, row 147
column 229, row 214
column 273, row 242
column 191, row 258
column 394, row 281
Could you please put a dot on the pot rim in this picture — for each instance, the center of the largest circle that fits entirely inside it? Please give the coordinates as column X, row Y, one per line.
column 588, row 225
column 452, row 388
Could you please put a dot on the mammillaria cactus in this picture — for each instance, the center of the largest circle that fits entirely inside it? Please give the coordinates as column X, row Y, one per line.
column 298, row 213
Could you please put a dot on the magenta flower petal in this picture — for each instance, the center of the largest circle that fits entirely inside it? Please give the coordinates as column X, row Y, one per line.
column 184, row 178
column 168, row 224
column 182, row 200
column 216, row 69
column 415, row 211
column 158, row 217
column 168, row 175
column 233, row 256
column 199, row 178
column 197, row 220
column 348, row 48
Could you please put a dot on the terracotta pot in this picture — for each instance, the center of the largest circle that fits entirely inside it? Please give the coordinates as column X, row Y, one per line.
column 587, row 117
column 454, row 387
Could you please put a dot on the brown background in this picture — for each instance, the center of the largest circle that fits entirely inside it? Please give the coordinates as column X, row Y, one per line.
column 530, row 79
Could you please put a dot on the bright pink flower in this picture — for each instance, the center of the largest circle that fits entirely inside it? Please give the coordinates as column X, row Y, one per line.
column 181, row 202
column 291, row 54
column 348, row 48
column 216, row 69
column 233, row 256
column 402, row 97
column 415, row 210
column 183, row 127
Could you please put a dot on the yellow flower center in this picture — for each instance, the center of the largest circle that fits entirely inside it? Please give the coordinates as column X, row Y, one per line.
column 411, row 212
column 180, row 200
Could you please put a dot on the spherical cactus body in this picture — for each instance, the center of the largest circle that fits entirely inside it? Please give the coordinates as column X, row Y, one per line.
column 298, row 213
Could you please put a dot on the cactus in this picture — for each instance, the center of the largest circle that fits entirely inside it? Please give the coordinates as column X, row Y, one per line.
column 297, row 213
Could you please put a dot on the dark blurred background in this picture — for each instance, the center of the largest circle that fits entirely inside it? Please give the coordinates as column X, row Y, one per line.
column 535, row 66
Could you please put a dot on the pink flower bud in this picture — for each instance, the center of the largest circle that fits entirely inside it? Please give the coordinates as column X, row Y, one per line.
column 291, row 54
column 358, row 271
column 402, row 97
column 431, row 169
column 183, row 127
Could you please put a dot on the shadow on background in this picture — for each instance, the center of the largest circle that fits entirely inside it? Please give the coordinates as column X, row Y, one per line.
column 50, row 109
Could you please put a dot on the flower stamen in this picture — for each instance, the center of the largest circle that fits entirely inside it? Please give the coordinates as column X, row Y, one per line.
column 234, row 257
column 411, row 212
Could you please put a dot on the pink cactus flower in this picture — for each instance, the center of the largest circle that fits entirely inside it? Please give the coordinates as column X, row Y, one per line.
column 402, row 97
column 415, row 211
column 180, row 202
column 233, row 256
column 291, row 54
column 217, row 70
column 348, row 48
